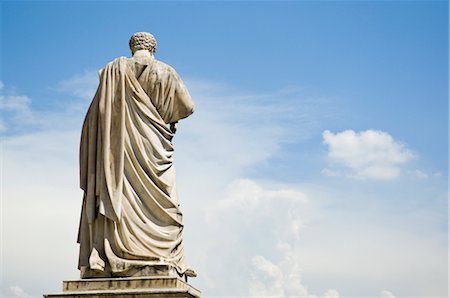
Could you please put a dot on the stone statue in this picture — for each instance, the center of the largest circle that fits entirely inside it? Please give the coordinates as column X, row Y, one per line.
column 131, row 223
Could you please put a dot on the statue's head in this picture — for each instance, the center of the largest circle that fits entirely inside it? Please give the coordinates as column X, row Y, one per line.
column 142, row 41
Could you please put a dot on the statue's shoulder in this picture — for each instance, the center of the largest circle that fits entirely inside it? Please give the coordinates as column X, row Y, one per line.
column 120, row 60
column 116, row 62
column 165, row 68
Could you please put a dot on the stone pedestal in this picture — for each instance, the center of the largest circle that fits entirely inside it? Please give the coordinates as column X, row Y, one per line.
column 127, row 287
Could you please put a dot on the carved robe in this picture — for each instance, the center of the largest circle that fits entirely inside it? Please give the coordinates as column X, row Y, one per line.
column 130, row 216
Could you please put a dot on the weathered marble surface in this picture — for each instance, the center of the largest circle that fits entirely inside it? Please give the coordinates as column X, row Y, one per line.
column 131, row 216
column 129, row 287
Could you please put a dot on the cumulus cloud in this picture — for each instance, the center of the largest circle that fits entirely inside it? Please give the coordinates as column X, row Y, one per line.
column 331, row 294
column 253, row 222
column 274, row 285
column 386, row 294
column 255, row 204
column 17, row 291
column 14, row 108
column 367, row 154
column 260, row 225
column 282, row 279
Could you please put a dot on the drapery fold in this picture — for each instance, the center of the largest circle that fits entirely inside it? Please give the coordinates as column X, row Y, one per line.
column 130, row 215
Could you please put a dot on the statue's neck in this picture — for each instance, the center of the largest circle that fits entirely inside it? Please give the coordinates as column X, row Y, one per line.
column 142, row 53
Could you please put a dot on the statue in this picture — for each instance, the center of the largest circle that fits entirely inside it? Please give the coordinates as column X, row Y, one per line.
column 131, row 223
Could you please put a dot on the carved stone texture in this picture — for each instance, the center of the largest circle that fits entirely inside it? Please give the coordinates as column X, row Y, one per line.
column 128, row 287
column 131, row 216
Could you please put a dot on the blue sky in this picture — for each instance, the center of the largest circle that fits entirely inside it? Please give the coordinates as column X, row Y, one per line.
column 378, row 57
column 331, row 115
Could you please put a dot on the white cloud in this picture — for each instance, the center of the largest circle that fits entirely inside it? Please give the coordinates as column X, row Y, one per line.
column 331, row 294
column 247, row 194
column 272, row 287
column 287, row 112
column 282, row 279
column 258, row 235
column 386, row 294
column 3, row 126
column 14, row 109
column 250, row 220
column 254, row 217
column 82, row 86
column 331, row 173
column 419, row 174
column 40, row 209
column 15, row 103
column 18, row 116
column 17, row 291
column 372, row 246
column 367, row 154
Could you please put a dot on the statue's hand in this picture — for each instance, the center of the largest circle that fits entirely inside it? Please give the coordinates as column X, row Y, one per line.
column 173, row 127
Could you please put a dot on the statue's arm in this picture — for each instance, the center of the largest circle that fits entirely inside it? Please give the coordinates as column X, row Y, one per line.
column 183, row 98
column 174, row 103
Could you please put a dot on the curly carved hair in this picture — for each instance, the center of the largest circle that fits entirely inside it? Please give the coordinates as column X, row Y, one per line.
column 143, row 41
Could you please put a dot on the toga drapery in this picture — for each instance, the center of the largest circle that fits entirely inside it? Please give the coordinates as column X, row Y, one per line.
column 130, row 215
